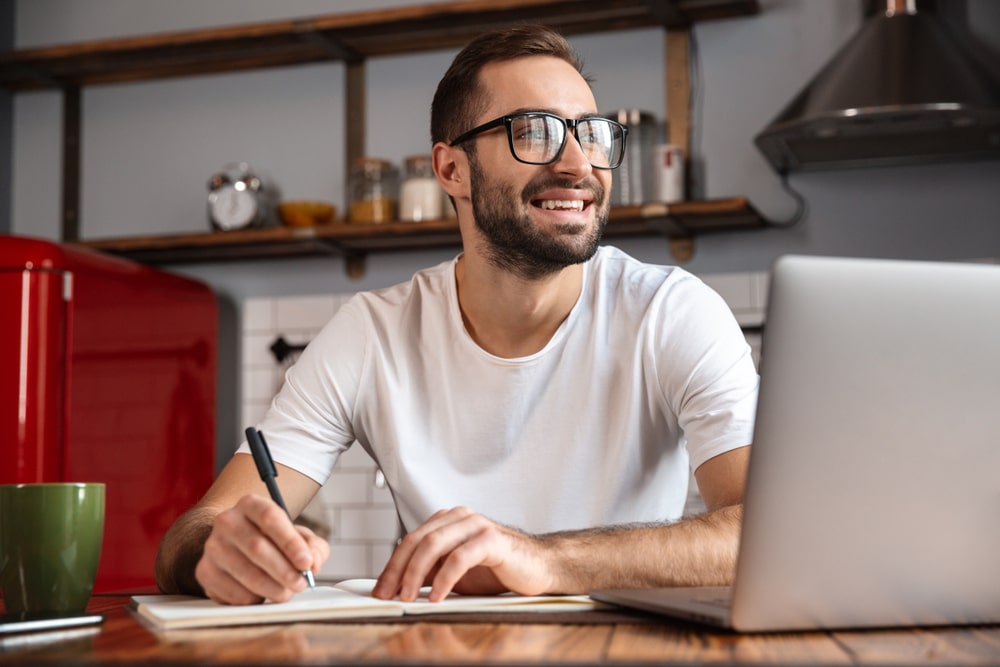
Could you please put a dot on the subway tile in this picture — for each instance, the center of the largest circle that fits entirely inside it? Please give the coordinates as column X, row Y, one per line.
column 760, row 281
column 252, row 413
column 380, row 553
column 262, row 383
column 380, row 495
column 258, row 314
column 734, row 288
column 346, row 561
column 305, row 312
column 355, row 457
column 257, row 350
column 346, row 487
column 368, row 524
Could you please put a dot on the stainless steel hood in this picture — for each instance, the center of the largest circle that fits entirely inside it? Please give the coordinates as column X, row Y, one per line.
column 905, row 89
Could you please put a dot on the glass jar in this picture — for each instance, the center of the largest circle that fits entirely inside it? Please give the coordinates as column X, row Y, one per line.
column 632, row 184
column 419, row 194
column 374, row 185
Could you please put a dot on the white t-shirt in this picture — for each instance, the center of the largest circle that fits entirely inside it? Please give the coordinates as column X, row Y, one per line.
column 648, row 375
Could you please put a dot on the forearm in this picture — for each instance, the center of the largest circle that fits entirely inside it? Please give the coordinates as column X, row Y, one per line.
column 181, row 549
column 700, row 551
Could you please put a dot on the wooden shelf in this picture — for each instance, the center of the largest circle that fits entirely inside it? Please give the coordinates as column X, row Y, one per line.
column 350, row 37
column 683, row 220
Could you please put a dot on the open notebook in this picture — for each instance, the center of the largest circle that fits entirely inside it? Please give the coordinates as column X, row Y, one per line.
column 348, row 599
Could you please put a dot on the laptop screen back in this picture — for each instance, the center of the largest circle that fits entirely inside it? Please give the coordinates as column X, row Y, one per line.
column 873, row 495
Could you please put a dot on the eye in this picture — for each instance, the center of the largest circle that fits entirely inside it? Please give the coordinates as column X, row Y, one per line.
column 594, row 132
column 531, row 129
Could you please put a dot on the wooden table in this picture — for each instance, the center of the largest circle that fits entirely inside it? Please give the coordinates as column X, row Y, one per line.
column 638, row 639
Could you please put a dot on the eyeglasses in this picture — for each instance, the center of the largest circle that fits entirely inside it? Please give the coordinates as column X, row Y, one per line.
column 537, row 137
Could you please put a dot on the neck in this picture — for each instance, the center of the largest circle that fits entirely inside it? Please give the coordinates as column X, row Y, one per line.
column 510, row 316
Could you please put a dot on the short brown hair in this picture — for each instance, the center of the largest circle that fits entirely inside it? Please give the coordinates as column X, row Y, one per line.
column 460, row 95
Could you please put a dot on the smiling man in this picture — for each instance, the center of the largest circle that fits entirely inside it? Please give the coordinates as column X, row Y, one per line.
column 536, row 404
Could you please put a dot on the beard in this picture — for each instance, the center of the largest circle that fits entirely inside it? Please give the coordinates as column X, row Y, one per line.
column 512, row 243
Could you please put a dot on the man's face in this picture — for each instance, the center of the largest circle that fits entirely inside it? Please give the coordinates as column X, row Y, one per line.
column 537, row 219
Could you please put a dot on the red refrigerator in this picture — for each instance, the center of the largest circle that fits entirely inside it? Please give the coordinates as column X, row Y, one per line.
column 107, row 374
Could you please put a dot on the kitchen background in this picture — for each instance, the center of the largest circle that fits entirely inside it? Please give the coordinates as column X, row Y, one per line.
column 149, row 148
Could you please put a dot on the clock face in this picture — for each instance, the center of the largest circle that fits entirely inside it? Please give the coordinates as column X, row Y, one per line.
column 232, row 207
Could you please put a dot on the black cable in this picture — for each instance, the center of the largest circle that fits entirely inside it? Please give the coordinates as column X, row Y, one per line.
column 801, row 208
column 695, row 187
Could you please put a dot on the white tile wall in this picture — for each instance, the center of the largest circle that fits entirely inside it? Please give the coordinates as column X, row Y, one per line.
column 352, row 506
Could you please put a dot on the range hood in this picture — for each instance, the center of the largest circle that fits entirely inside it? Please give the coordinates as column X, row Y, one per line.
column 905, row 89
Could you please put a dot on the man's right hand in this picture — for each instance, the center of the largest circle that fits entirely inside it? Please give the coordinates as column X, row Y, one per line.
column 255, row 552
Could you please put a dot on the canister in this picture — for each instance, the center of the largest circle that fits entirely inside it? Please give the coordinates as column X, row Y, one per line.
column 374, row 186
column 632, row 182
column 667, row 167
column 419, row 194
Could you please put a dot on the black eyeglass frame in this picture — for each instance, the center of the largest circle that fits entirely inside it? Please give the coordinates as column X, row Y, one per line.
column 568, row 123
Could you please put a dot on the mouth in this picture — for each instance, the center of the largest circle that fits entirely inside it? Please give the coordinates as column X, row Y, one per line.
column 567, row 201
column 560, row 204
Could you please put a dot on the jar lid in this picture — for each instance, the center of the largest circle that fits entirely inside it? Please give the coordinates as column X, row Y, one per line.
column 418, row 161
column 371, row 163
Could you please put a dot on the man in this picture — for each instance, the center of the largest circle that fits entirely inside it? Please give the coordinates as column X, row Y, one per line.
column 535, row 404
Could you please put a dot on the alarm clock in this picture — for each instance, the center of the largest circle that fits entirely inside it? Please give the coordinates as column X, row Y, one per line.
column 237, row 199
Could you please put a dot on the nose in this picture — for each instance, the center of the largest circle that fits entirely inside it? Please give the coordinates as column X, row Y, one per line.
column 572, row 161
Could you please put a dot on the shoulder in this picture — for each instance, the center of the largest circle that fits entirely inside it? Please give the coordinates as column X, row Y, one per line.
column 373, row 322
column 387, row 312
column 426, row 287
column 623, row 278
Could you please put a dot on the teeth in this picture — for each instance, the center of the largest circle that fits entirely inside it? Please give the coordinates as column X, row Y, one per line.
column 553, row 204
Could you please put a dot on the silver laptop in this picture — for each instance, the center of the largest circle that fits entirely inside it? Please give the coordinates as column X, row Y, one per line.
column 873, row 496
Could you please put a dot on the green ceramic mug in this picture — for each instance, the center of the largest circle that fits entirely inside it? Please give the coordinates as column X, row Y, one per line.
column 50, row 544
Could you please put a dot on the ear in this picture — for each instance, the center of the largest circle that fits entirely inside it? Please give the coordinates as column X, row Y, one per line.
column 451, row 165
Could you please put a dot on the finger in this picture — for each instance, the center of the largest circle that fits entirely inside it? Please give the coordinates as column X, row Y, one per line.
column 276, row 544
column 434, row 549
column 402, row 575
column 387, row 584
column 226, row 576
column 236, row 547
column 494, row 559
column 221, row 587
column 485, row 549
column 319, row 547
column 418, row 557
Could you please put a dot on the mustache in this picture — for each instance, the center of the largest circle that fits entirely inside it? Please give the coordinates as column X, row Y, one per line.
column 589, row 183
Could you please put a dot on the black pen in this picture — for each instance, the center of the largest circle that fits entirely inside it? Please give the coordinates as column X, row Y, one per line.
column 265, row 466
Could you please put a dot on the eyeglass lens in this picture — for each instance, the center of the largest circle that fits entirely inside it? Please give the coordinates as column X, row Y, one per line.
column 538, row 139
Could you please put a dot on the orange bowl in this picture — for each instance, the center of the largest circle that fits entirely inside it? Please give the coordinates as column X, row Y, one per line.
column 306, row 213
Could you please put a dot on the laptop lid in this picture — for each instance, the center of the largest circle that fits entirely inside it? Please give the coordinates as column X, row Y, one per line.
column 873, row 493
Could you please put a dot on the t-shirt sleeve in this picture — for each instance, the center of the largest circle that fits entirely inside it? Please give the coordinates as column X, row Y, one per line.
column 706, row 370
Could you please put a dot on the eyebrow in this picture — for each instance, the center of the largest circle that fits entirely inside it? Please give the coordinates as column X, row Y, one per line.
column 583, row 116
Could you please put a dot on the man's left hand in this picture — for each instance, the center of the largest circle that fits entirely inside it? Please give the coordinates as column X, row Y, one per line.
column 459, row 550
